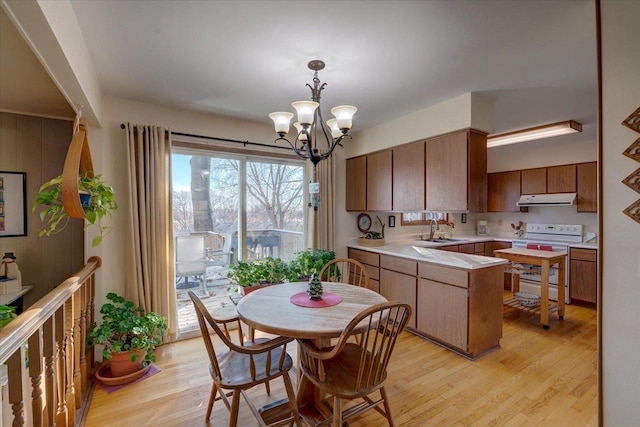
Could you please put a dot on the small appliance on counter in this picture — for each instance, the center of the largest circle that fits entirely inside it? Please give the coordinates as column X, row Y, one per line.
column 482, row 228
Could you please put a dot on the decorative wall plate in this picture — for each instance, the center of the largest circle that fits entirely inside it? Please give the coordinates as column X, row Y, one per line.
column 633, row 151
column 633, row 121
column 633, row 180
column 633, row 211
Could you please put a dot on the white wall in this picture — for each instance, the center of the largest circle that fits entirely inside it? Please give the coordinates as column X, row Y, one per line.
column 620, row 331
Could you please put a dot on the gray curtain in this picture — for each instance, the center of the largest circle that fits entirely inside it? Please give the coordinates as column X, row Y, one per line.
column 150, row 276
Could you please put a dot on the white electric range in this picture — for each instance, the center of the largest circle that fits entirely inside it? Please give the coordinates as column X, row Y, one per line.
column 554, row 237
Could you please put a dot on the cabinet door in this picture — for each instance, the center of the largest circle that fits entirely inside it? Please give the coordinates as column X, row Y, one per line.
column 504, row 191
column 398, row 286
column 534, row 181
column 588, row 187
column 356, row 186
column 408, row 177
column 583, row 279
column 379, row 167
column 561, row 179
column 489, row 247
column 443, row 312
column 447, row 173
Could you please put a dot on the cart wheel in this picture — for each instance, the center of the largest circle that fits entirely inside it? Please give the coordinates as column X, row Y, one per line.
column 546, row 327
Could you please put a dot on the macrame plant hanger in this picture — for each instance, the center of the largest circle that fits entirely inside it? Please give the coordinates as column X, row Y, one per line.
column 77, row 163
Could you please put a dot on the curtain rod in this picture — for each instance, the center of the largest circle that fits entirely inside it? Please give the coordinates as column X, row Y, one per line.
column 215, row 138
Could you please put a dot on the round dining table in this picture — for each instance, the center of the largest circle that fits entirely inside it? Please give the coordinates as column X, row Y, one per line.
column 272, row 310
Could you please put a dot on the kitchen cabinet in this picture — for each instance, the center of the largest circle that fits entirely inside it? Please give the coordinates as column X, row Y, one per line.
column 587, row 186
column 504, row 191
column 561, row 179
column 356, row 189
column 459, row 308
column 409, row 177
column 371, row 262
column 456, row 171
column 533, row 181
column 583, row 275
column 379, row 176
column 489, row 248
column 398, row 281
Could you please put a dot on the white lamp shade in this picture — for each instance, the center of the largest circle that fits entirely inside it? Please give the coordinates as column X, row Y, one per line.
column 305, row 110
column 335, row 130
column 344, row 115
column 303, row 135
column 281, row 121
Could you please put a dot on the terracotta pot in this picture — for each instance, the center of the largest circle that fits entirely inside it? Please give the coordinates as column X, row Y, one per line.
column 244, row 290
column 121, row 364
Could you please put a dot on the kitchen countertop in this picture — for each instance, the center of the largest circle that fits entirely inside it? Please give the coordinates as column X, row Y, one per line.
column 431, row 253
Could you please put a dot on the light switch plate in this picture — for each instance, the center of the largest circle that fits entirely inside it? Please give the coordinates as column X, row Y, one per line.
column 464, row 218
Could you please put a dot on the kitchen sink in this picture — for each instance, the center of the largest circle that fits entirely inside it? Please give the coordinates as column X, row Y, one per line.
column 444, row 240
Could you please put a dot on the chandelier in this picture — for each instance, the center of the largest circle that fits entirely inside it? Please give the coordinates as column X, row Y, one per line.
column 313, row 131
column 315, row 139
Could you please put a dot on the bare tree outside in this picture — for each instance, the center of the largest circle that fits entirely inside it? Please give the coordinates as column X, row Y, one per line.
column 182, row 211
column 200, row 195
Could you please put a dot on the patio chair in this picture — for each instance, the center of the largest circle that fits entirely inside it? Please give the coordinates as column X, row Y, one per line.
column 241, row 367
column 191, row 260
column 345, row 270
column 355, row 371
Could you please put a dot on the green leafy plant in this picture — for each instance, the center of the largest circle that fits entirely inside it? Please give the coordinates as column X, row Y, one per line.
column 249, row 273
column 308, row 262
column 7, row 314
column 101, row 203
column 126, row 327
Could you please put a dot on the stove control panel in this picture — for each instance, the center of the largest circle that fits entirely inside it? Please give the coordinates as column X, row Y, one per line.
column 561, row 229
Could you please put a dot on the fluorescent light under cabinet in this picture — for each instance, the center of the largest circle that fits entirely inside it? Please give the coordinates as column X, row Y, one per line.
column 538, row 132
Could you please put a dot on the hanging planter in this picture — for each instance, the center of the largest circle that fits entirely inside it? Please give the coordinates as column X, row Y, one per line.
column 77, row 193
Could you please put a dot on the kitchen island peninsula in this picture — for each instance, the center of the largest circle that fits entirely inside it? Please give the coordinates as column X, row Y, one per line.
column 457, row 298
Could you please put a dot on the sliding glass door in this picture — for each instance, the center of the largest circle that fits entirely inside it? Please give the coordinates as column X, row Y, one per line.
column 228, row 207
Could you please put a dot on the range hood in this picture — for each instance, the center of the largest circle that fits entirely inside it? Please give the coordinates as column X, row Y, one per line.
column 556, row 199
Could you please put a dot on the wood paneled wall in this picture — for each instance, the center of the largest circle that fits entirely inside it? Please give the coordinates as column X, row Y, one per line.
column 38, row 146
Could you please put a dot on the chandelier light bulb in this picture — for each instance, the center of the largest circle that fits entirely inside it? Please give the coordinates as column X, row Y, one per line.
column 302, row 135
column 281, row 121
column 344, row 115
column 305, row 110
column 335, row 130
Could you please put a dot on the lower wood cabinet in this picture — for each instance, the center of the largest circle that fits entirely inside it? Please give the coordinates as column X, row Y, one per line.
column 443, row 312
column 371, row 262
column 489, row 248
column 583, row 275
column 399, row 284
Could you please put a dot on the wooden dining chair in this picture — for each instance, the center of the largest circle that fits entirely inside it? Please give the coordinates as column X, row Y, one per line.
column 345, row 270
column 238, row 368
column 354, row 371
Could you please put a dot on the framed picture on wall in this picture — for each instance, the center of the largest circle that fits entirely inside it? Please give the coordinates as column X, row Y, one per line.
column 13, row 204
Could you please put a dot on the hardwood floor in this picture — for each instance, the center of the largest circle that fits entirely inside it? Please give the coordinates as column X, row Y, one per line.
column 537, row 377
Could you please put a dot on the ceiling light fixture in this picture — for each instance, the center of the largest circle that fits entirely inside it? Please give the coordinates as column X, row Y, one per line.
column 538, row 132
column 316, row 139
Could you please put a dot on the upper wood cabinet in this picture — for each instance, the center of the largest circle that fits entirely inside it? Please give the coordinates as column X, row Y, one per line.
column 356, row 191
column 561, row 179
column 409, row 177
column 379, row 176
column 534, row 181
column 587, row 186
column 504, row 191
column 456, row 166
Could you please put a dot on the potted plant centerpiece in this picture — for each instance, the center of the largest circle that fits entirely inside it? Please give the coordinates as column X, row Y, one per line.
column 97, row 198
column 129, row 335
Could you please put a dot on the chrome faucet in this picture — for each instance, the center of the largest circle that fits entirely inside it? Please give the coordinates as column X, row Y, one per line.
column 431, row 229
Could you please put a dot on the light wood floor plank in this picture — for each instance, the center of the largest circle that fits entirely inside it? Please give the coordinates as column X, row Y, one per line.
column 537, row 377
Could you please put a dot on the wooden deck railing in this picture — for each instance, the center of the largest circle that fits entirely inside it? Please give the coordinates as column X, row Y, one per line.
column 48, row 362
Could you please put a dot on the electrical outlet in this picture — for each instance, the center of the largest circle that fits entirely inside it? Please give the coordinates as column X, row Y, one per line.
column 500, row 222
column 464, row 218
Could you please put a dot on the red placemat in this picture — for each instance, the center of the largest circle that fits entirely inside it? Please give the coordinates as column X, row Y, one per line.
column 328, row 299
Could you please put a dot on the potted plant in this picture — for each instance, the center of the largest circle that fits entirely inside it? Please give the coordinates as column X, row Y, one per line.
column 373, row 238
column 251, row 275
column 97, row 198
column 308, row 262
column 127, row 332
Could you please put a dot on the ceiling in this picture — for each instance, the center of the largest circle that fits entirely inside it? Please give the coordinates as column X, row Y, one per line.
column 535, row 59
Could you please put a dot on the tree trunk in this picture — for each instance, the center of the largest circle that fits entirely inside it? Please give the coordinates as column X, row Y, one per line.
column 200, row 170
